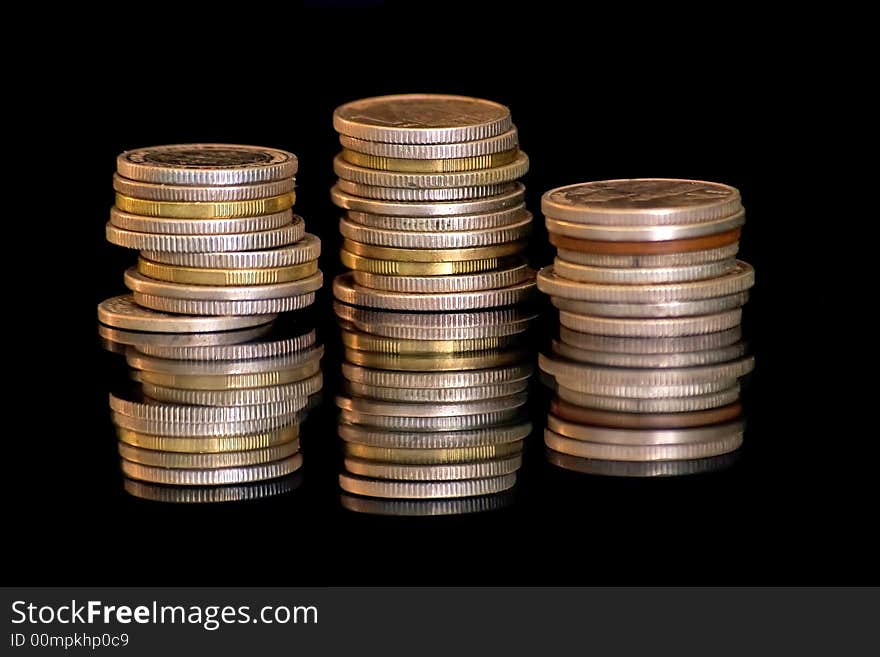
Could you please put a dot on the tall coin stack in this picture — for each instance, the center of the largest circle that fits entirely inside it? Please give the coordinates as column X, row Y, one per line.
column 432, row 416
column 649, row 354
column 434, row 218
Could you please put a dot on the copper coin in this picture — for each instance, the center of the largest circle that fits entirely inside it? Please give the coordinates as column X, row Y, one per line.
column 646, row 248
column 582, row 415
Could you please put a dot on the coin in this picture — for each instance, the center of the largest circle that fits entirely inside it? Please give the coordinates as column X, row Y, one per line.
column 432, row 456
column 299, row 390
column 434, row 379
column 648, row 391
column 426, row 507
column 267, row 349
column 619, row 404
column 167, row 226
column 364, row 406
column 205, row 307
column 177, row 413
column 569, row 420
column 662, row 233
column 646, row 376
column 452, row 180
column 413, row 194
column 614, row 344
column 431, row 255
column 205, row 210
column 641, row 468
column 663, row 260
column 264, row 239
column 231, row 381
column 425, row 489
column 195, row 276
column 709, row 306
column 207, row 194
column 384, row 345
column 442, row 472
column 194, row 477
column 506, row 141
column 209, row 444
column 438, row 363
column 436, row 395
column 454, row 423
column 672, row 452
column 347, row 291
column 306, row 249
column 669, row 327
column 680, row 359
column 496, row 435
column 642, row 275
column 160, row 459
column 212, row 494
column 137, row 282
column 463, row 222
column 404, row 268
column 437, row 240
column 206, row 164
column 511, row 196
column 642, row 201
column 241, row 366
column 421, row 119
column 123, row 313
column 444, row 165
column 499, row 278
column 605, row 247
column 143, row 339
column 230, row 428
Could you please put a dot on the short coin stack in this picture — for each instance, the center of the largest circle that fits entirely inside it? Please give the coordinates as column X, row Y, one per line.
column 432, row 416
column 434, row 218
column 215, row 229
column 650, row 298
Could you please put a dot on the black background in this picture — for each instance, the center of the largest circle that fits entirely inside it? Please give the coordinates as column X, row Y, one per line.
column 594, row 96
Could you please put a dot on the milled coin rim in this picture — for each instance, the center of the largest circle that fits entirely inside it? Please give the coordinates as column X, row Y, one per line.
column 168, row 323
column 425, row 490
column 512, row 195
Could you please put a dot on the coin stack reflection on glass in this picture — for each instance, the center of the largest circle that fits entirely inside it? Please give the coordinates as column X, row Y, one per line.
column 432, row 416
column 434, row 218
column 649, row 355
column 221, row 253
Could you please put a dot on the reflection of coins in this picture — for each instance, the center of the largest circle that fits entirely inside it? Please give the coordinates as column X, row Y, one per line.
column 428, row 507
column 146, row 340
column 411, row 239
column 212, row 494
column 123, row 313
column 442, row 472
column 444, row 165
column 646, row 248
column 425, row 489
column 194, row 477
column 511, row 196
column 433, row 379
column 205, row 210
column 642, row 468
column 304, row 250
column 621, row 404
column 209, row 460
column 167, row 226
column 191, row 275
column 495, row 435
column 670, row 452
column 566, row 413
column 209, row 444
column 488, row 280
column 452, row 326
column 432, row 456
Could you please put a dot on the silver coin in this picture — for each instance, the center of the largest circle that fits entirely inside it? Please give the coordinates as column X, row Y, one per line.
column 426, row 507
column 436, row 395
column 641, row 468
column 230, row 428
column 212, row 494
column 206, row 164
column 499, row 278
column 292, row 360
column 202, row 307
column 122, row 312
column 502, row 434
column 650, row 345
column 167, row 226
column 642, row 202
column 347, row 291
column 364, row 406
column 643, row 391
column 512, row 196
column 425, row 489
column 211, row 477
column 611, row 436
column 452, row 223
column 264, row 239
column 681, row 359
column 739, row 280
column 649, row 310
column 440, row 472
column 644, row 233
column 660, row 260
column 438, row 240
column 180, row 414
column 422, row 195
column 475, row 148
column 421, row 119
column 669, row 327
column 642, row 452
column 455, row 423
column 671, row 376
column 642, row 275
column 140, row 339
column 460, row 379
column 303, row 250
column 137, row 282
column 621, row 404
column 298, row 390
column 205, row 194
column 458, row 179
column 267, row 349
column 196, row 460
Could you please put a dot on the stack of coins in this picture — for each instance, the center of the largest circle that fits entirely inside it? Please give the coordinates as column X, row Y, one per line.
column 650, row 298
column 216, row 415
column 215, row 229
column 433, row 211
column 432, row 417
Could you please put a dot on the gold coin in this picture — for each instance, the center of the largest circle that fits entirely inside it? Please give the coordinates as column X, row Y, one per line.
column 400, row 268
column 231, row 381
column 210, row 210
column 364, row 342
column 432, row 456
column 194, row 276
column 432, row 255
column 430, row 363
column 447, row 165
column 211, row 444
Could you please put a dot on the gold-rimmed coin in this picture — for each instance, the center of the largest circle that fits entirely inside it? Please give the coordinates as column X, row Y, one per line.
column 401, row 268
column 432, row 255
column 194, row 276
column 432, row 456
column 205, row 210
column 448, row 165
column 208, row 444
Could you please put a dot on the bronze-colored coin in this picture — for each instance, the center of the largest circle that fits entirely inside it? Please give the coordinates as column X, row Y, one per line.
column 582, row 415
column 646, row 248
